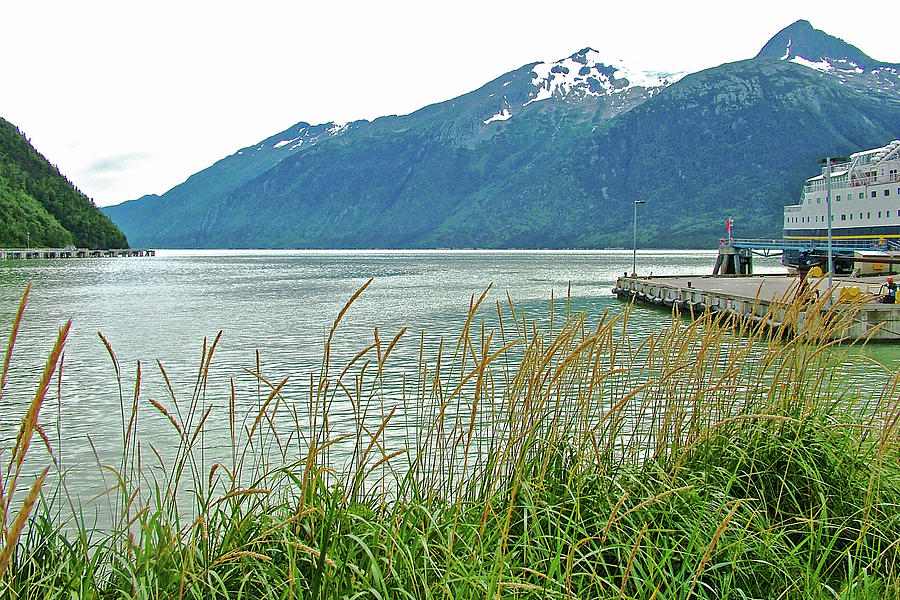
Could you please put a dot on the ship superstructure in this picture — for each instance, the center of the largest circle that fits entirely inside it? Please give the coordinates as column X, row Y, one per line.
column 865, row 192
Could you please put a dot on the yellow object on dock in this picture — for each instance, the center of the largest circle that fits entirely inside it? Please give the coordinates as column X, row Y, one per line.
column 850, row 293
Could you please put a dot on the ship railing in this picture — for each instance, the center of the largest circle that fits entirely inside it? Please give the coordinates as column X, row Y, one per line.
column 838, row 184
column 785, row 244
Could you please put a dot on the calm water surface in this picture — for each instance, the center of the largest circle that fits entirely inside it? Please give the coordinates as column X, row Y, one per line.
column 279, row 303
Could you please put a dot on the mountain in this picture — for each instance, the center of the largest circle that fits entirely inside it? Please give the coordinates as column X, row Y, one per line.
column 40, row 207
column 551, row 155
column 800, row 43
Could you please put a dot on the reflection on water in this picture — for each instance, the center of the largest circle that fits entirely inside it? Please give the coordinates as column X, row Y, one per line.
column 281, row 304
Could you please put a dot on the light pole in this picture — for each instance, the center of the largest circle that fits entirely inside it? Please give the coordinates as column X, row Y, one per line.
column 828, row 162
column 634, row 244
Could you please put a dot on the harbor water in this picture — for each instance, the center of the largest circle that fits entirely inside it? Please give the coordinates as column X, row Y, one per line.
column 277, row 308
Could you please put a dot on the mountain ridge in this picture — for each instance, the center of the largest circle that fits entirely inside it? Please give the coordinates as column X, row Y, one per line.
column 547, row 155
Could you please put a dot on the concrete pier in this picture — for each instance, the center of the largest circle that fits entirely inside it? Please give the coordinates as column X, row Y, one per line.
column 769, row 299
column 72, row 252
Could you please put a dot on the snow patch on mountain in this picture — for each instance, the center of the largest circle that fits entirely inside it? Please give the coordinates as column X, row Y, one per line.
column 309, row 135
column 336, row 128
column 584, row 74
column 503, row 115
column 821, row 65
column 787, row 51
column 829, row 65
column 286, row 142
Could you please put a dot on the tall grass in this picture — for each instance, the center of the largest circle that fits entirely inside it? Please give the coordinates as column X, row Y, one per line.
column 710, row 460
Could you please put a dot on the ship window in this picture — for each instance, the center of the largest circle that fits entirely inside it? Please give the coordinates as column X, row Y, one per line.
column 851, row 216
column 818, row 201
column 887, row 192
column 860, row 215
column 838, row 198
column 868, row 215
column 874, row 194
column 861, row 195
column 879, row 214
column 843, row 217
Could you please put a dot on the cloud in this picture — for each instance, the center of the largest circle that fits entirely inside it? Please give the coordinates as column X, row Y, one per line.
column 113, row 165
column 111, row 177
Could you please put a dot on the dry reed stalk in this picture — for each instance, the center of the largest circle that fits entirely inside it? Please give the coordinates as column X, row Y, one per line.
column 239, row 493
column 262, row 411
column 199, row 428
column 326, row 358
column 374, row 438
column 236, row 554
column 168, row 415
column 715, row 539
column 13, row 333
column 12, row 536
column 311, row 551
column 634, row 551
column 359, row 355
column 385, row 459
column 26, row 431
column 650, row 501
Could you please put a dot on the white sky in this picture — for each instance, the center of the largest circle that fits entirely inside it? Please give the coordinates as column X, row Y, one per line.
column 130, row 98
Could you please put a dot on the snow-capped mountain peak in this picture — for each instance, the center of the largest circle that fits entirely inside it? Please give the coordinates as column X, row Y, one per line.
column 585, row 74
column 804, row 45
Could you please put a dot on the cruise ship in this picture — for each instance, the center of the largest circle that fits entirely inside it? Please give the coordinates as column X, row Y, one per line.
column 865, row 207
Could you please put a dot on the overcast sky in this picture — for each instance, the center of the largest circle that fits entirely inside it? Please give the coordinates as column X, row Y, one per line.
column 130, row 98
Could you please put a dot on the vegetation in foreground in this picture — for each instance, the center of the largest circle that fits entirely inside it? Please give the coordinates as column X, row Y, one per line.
column 706, row 462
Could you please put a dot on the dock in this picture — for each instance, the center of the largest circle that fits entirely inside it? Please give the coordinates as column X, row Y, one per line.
column 771, row 299
column 72, row 252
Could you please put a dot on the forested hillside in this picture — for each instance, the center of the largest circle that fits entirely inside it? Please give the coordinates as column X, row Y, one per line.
column 40, row 207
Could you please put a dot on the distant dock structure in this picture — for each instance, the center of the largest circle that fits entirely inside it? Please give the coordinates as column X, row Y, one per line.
column 860, row 288
column 72, row 252
column 772, row 300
